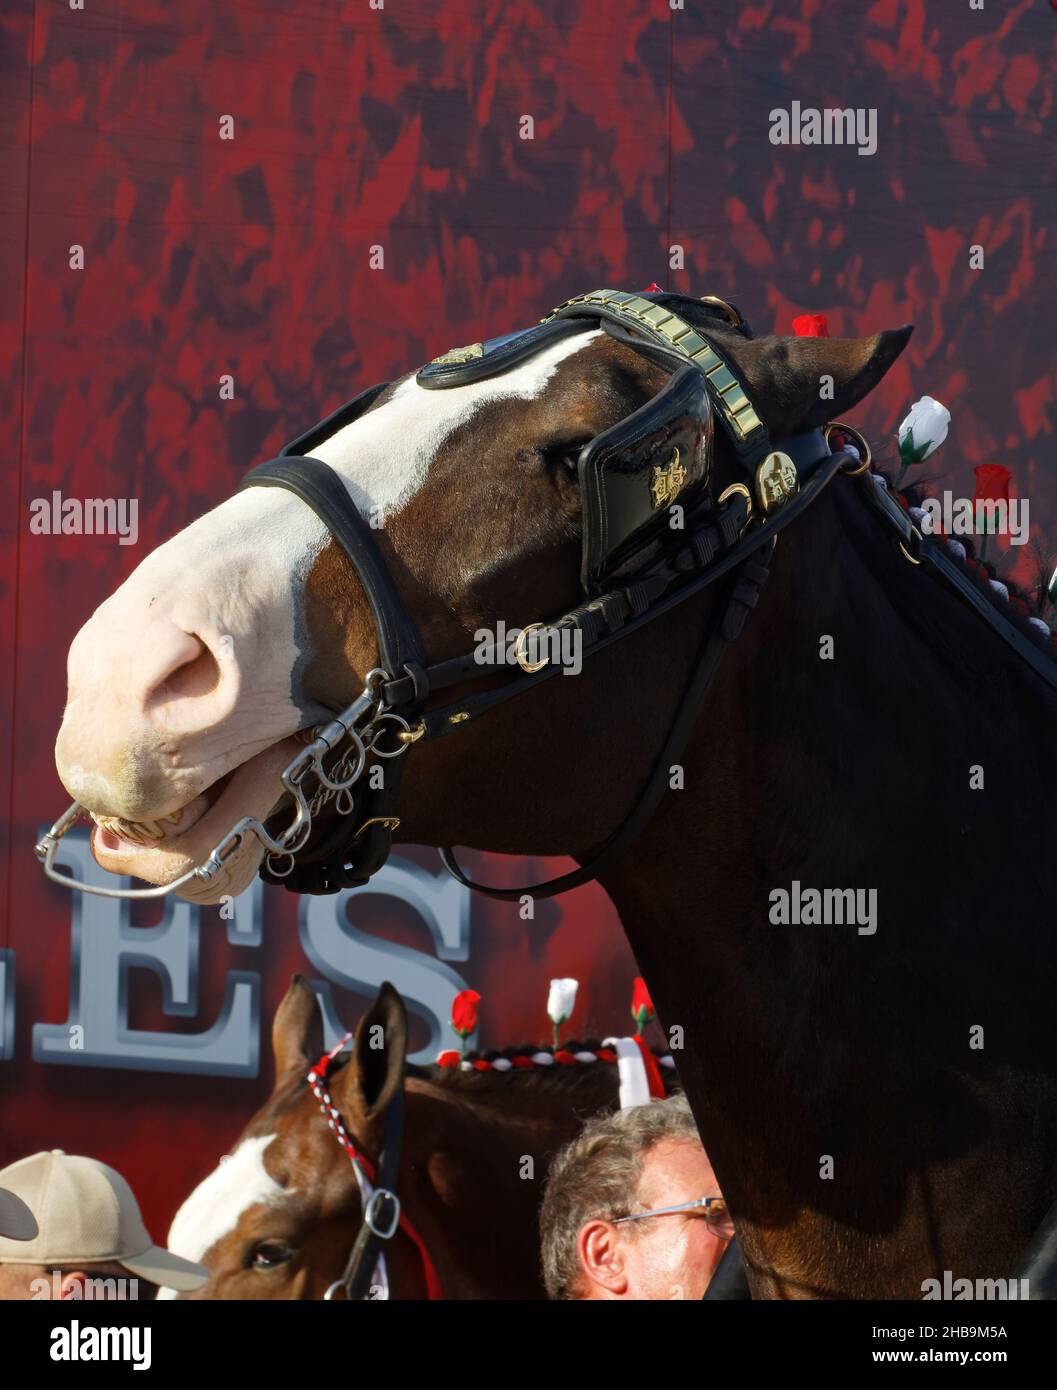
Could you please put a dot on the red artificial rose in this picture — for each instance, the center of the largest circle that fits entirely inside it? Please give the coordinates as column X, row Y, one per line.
column 464, row 1012
column 811, row 326
column 642, row 1010
column 448, row 1059
column 566, row 1059
column 992, row 482
column 523, row 1061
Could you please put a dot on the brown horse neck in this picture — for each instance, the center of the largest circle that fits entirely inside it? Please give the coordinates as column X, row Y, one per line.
column 804, row 1041
column 479, row 1145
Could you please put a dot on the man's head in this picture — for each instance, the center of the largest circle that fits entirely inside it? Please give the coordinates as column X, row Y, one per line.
column 626, row 1164
column 88, row 1239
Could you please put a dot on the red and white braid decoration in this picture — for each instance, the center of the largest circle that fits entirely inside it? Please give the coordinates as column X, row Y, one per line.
column 364, row 1171
column 608, row 1052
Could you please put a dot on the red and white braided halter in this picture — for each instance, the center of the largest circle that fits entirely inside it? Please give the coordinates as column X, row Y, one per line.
column 362, row 1167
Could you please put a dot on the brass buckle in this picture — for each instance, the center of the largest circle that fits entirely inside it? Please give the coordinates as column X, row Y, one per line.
column 390, row 823
column 728, row 310
column 906, row 553
column 737, row 487
column 864, row 449
column 521, row 650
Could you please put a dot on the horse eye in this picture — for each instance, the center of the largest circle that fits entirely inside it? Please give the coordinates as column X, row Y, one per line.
column 269, row 1254
column 565, row 456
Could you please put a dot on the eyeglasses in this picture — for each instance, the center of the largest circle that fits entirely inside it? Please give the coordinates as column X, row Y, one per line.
column 715, row 1208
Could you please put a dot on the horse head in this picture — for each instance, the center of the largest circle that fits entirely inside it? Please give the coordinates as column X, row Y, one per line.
column 278, row 1216
column 200, row 679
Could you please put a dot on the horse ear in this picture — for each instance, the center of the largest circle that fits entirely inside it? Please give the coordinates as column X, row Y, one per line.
column 376, row 1071
column 786, row 376
column 297, row 1030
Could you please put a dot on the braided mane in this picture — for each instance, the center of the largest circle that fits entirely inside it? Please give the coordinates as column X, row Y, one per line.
column 534, row 1065
column 1019, row 606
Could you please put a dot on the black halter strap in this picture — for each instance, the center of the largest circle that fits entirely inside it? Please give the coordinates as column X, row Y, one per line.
column 319, row 487
column 381, row 1214
column 716, row 546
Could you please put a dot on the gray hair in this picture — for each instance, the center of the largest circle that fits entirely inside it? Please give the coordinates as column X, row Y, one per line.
column 597, row 1175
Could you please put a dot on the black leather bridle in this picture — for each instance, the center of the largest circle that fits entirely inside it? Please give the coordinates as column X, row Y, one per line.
column 629, row 581
column 715, row 543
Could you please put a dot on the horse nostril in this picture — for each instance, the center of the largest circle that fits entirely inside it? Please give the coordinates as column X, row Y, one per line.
column 191, row 679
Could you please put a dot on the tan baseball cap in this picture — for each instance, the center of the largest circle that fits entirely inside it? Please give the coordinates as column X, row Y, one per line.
column 85, row 1213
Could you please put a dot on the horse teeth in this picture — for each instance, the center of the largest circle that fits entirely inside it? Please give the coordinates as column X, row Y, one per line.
column 175, row 818
column 140, row 833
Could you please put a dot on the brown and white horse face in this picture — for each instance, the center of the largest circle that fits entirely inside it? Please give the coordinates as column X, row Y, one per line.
column 278, row 1216
column 249, row 1223
column 188, row 685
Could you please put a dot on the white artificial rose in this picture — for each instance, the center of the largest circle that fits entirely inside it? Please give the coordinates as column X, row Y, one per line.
column 562, row 1000
column 923, row 430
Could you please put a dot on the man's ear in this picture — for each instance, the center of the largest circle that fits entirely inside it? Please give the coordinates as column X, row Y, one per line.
column 786, row 376
column 297, row 1029
column 376, row 1070
column 602, row 1268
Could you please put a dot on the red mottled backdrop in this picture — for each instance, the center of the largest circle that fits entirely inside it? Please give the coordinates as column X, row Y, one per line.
column 400, row 128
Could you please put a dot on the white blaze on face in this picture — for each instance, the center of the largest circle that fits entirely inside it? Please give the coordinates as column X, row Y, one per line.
column 230, row 582
column 216, row 1205
column 383, row 457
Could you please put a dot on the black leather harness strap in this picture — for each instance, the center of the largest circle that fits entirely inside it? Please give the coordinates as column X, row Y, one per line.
column 714, row 546
column 930, row 552
column 659, row 327
column 743, row 598
column 321, row 488
column 381, row 1214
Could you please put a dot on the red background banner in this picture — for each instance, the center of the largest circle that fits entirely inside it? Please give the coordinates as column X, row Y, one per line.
column 401, row 128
